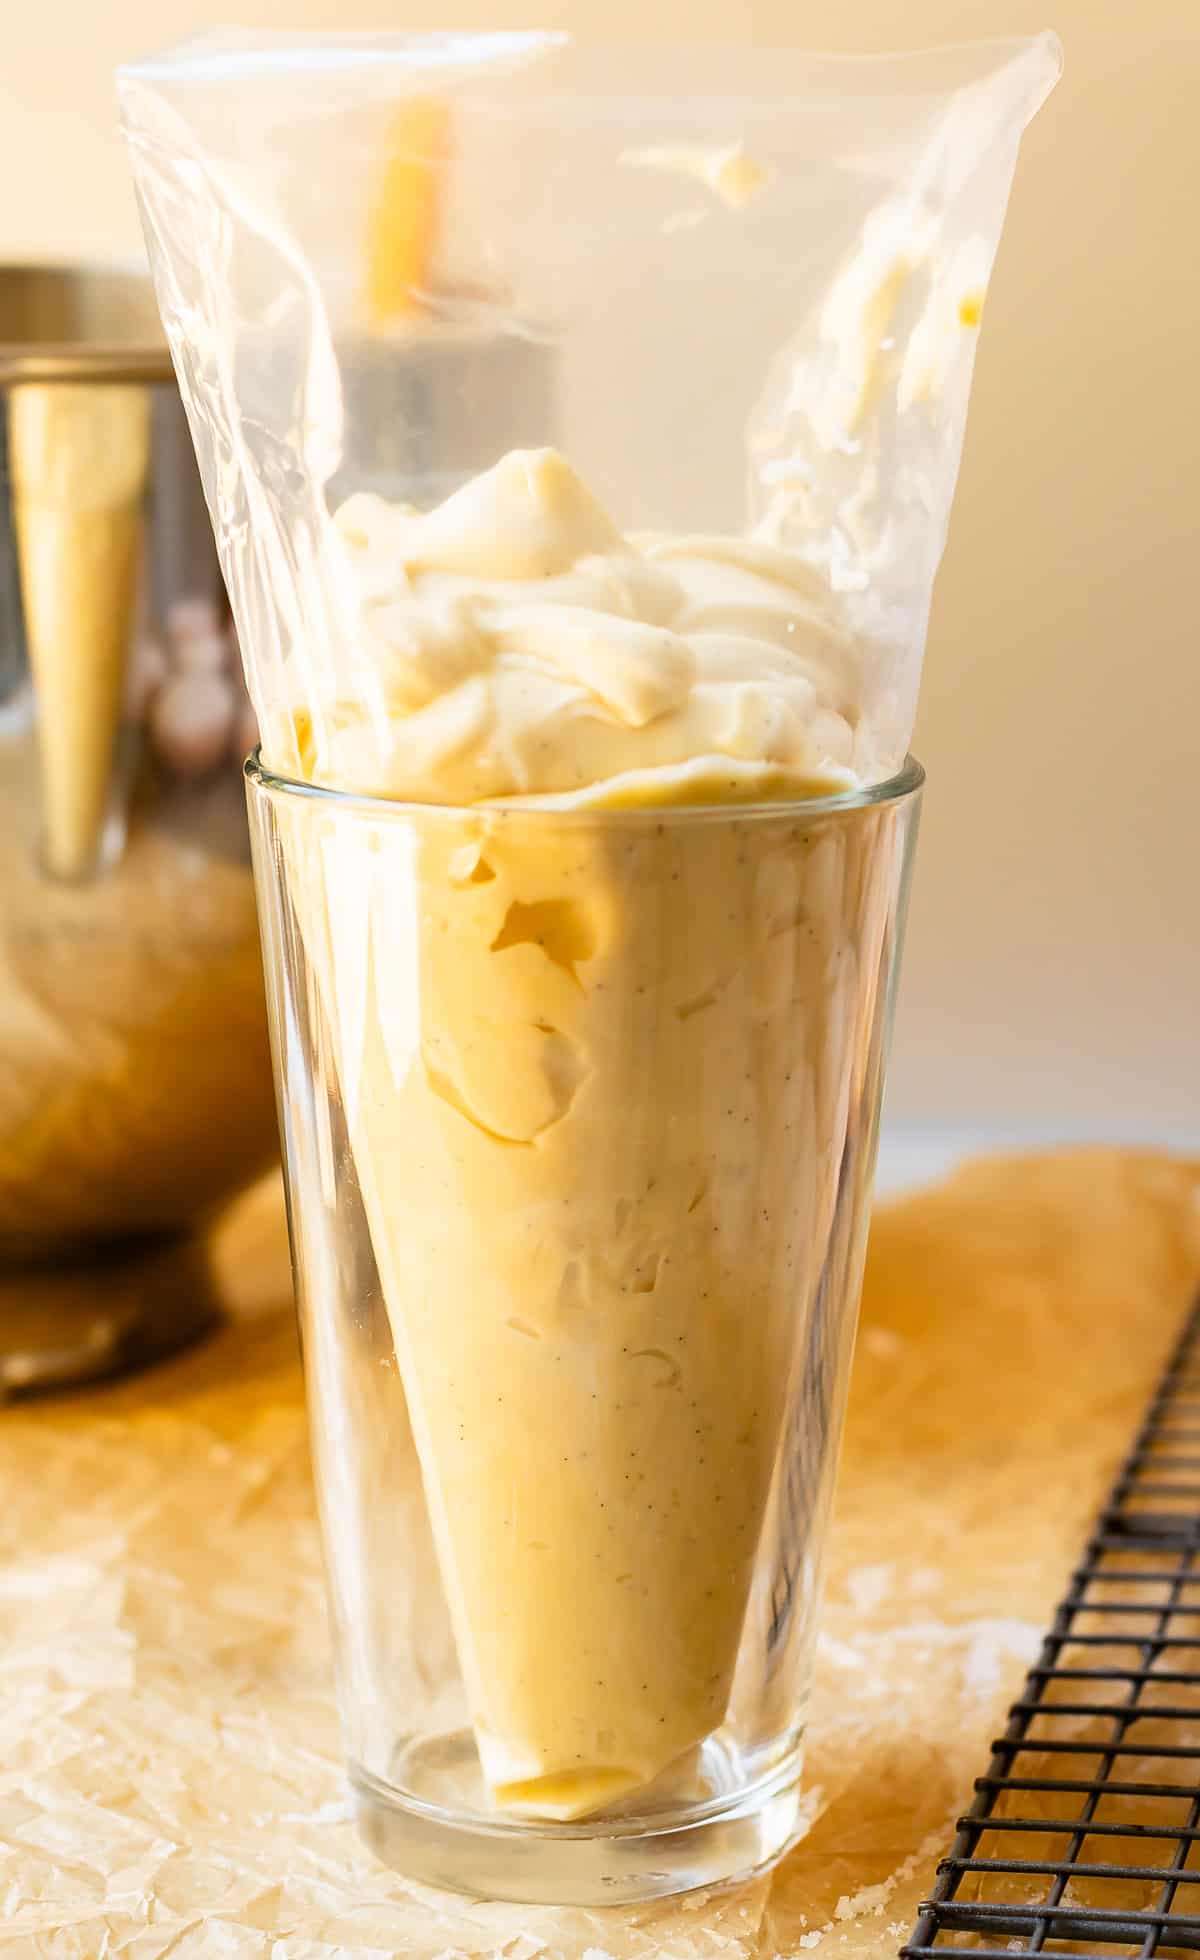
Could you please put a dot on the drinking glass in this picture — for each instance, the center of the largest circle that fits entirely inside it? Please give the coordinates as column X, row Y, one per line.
column 579, row 1112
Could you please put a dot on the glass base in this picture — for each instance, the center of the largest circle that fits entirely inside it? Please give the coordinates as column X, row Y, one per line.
column 431, row 1826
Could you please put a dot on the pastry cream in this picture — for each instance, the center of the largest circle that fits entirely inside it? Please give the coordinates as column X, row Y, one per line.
column 80, row 454
column 596, row 1073
column 512, row 643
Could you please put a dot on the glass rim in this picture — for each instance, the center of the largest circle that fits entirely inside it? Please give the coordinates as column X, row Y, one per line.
column 900, row 788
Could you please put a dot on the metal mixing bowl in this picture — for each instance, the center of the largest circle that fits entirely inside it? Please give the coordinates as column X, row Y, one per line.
column 135, row 1086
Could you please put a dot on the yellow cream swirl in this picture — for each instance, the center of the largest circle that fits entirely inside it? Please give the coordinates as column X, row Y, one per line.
column 513, row 644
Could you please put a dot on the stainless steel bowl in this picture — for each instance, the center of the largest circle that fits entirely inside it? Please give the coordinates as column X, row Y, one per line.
column 135, row 1088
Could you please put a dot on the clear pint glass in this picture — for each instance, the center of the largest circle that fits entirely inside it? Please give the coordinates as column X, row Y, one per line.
column 579, row 1116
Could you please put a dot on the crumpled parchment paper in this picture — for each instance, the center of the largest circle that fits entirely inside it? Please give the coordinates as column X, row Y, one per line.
column 170, row 1779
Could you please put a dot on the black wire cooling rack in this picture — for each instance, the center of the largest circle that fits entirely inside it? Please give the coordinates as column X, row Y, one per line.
column 1084, row 1836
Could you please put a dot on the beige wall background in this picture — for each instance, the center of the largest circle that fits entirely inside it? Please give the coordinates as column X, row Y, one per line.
column 1053, row 972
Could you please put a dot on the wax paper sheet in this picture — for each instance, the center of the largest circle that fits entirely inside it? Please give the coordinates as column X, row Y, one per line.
column 170, row 1777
